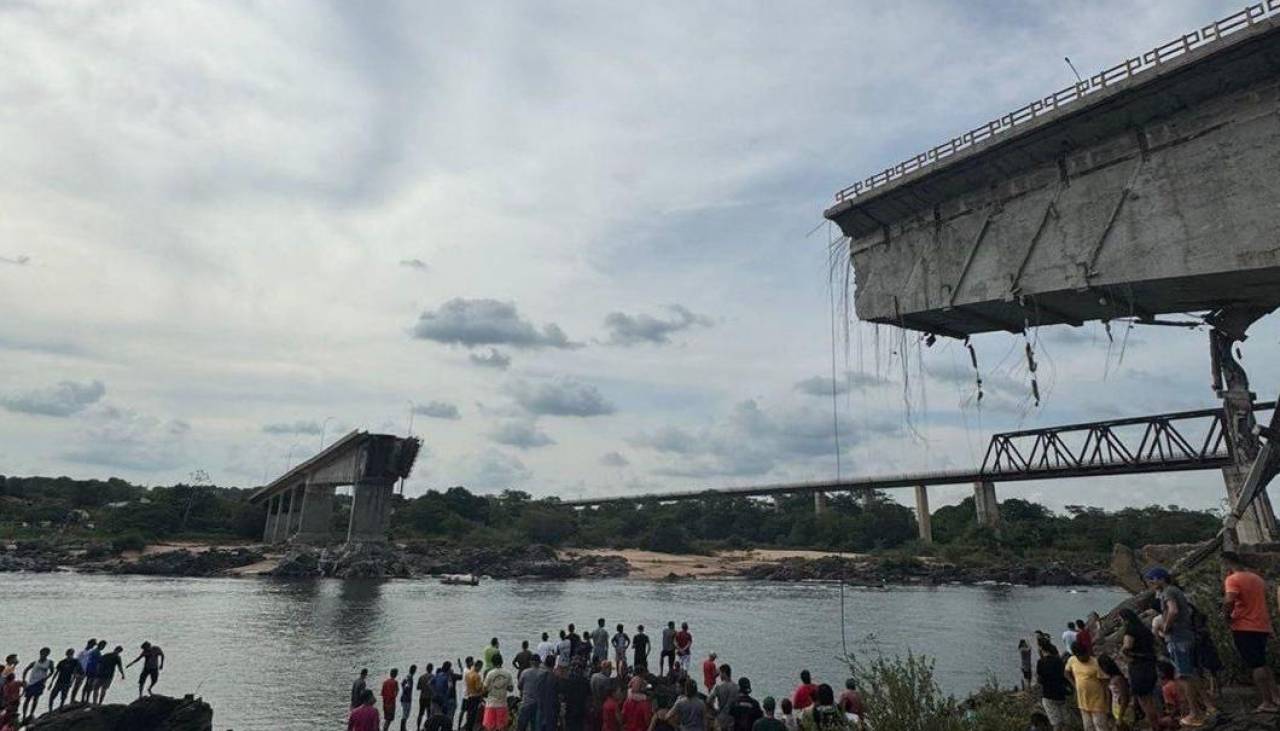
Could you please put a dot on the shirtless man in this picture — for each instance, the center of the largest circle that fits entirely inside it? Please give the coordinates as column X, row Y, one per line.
column 152, row 658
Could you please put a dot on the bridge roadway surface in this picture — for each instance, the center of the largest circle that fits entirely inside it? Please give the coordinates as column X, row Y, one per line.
column 1102, row 448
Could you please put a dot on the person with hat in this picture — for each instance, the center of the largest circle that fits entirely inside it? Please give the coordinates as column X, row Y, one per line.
column 1245, row 606
column 1180, row 642
column 745, row 711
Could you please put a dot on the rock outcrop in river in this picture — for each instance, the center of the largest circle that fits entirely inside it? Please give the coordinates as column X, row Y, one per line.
column 151, row 713
column 877, row 572
column 435, row 559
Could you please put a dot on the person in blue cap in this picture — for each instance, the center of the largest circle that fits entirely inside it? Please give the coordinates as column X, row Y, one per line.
column 1180, row 640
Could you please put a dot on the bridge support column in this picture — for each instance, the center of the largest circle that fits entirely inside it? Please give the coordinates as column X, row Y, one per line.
column 923, row 519
column 295, row 513
column 819, row 503
column 281, row 530
column 317, row 515
column 273, row 513
column 370, row 511
column 984, row 499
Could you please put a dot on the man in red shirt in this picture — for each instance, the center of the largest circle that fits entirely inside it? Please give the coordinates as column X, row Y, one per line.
column 803, row 697
column 684, row 647
column 364, row 717
column 390, row 691
column 1245, row 606
column 710, row 672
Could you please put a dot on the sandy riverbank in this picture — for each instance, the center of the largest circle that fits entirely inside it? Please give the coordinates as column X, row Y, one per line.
column 654, row 565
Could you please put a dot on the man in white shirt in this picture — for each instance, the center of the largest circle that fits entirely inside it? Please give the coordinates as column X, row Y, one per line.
column 545, row 648
column 1069, row 637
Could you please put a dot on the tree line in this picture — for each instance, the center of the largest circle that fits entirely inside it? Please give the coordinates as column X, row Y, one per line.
column 863, row 522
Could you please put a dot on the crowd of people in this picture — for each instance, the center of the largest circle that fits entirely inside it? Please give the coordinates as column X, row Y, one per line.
column 78, row 677
column 1163, row 670
column 599, row 680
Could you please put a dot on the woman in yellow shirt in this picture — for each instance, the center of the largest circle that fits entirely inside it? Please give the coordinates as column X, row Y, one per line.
column 1091, row 689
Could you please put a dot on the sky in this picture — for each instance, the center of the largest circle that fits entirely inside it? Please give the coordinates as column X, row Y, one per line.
column 577, row 248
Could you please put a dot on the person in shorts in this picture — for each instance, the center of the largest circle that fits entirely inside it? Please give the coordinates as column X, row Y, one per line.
column 64, row 674
column 109, row 664
column 35, row 674
column 1053, row 684
column 684, row 647
column 1180, row 642
column 152, row 658
column 82, row 657
column 1245, row 606
column 91, row 656
column 390, row 693
column 498, row 684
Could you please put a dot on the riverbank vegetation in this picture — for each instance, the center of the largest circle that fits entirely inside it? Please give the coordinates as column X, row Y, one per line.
column 872, row 522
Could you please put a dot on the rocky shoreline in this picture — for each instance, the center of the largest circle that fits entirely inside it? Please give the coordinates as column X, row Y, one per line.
column 425, row 559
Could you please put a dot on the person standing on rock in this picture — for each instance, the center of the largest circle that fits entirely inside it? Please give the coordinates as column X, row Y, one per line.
column 1069, row 637
column 522, row 659
column 424, row 694
column 802, row 698
column 710, row 671
column 35, row 675
column 390, row 692
column 82, row 657
column 152, row 658
column 109, row 664
column 1053, row 685
column 358, row 688
column 364, row 717
column 1087, row 678
column 406, row 697
column 640, row 646
column 684, row 647
column 1084, row 636
column 64, row 674
column 599, row 643
column 472, row 695
column 1245, row 606
column 91, row 657
column 546, row 648
column 497, row 686
column 1180, row 641
column 667, row 660
column 1138, row 647
column 621, row 643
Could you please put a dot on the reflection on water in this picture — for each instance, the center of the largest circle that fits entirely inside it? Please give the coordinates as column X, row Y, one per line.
column 281, row 654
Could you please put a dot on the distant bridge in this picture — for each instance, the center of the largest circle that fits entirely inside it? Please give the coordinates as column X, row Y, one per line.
column 1171, row 442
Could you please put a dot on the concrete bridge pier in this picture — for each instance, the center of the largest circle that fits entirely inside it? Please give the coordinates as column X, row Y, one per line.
column 924, row 520
column 317, row 515
column 819, row 503
column 273, row 514
column 984, row 499
column 370, row 511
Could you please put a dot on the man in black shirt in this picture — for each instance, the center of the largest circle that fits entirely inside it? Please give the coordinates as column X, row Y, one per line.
column 108, row 665
column 522, row 658
column 1053, row 684
column 640, row 643
column 67, row 670
column 744, row 711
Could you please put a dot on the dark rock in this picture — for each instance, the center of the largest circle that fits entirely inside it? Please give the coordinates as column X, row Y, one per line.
column 12, row 562
column 600, row 567
column 367, row 561
column 299, row 562
column 878, row 572
column 150, row 713
column 189, row 563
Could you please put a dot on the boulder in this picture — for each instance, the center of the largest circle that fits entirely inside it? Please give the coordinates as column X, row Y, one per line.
column 299, row 562
column 150, row 713
column 1126, row 569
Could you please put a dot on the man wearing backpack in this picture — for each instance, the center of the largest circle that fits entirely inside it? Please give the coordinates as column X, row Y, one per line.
column 1180, row 640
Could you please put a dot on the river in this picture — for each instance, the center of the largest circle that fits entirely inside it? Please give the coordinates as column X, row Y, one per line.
column 271, row 654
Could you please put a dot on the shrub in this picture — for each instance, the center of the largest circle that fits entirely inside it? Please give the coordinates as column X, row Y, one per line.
column 131, row 541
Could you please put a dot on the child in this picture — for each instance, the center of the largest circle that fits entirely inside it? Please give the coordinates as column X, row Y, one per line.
column 1122, row 707
column 788, row 718
column 1174, row 705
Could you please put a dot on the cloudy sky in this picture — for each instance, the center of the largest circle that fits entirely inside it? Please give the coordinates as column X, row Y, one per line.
column 581, row 243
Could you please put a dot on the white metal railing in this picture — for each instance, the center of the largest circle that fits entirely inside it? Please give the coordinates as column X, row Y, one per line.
column 1193, row 41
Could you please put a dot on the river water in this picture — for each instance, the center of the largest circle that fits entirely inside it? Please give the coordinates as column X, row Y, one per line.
column 273, row 654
